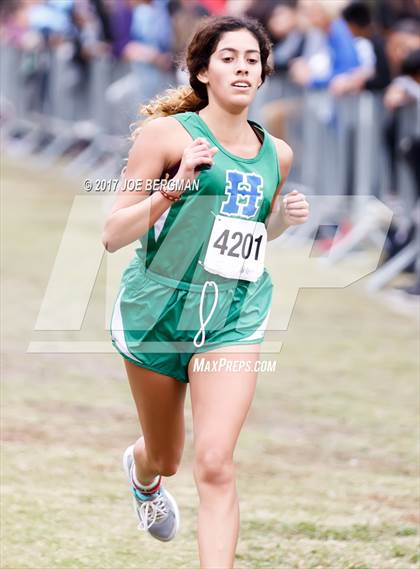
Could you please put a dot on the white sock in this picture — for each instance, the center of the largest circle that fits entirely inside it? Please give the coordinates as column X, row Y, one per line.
column 139, row 484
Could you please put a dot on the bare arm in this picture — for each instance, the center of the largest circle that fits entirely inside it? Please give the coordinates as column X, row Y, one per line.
column 277, row 224
column 152, row 152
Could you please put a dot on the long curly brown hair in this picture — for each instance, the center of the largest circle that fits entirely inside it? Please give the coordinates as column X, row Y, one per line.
column 194, row 97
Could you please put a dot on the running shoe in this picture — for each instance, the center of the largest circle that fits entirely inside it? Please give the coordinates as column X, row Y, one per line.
column 157, row 513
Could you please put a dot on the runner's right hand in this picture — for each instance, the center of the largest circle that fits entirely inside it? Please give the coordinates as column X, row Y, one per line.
column 195, row 154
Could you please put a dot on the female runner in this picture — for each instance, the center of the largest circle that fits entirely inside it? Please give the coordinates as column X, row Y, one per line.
column 197, row 287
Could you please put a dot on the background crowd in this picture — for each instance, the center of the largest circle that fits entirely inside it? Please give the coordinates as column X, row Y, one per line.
column 345, row 46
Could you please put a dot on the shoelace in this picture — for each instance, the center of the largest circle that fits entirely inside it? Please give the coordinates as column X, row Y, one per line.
column 151, row 511
column 203, row 323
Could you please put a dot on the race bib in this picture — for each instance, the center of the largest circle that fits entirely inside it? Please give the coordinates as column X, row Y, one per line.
column 236, row 248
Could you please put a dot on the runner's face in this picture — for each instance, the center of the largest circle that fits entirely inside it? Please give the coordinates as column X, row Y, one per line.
column 234, row 72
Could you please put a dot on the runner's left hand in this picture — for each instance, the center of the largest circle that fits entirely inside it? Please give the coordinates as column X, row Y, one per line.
column 295, row 208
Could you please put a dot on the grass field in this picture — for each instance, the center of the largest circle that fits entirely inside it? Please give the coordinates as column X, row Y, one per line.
column 327, row 461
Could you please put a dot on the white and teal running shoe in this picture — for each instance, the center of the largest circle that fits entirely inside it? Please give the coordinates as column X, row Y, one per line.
column 157, row 513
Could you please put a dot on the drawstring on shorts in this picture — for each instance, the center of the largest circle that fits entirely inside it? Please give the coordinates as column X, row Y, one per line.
column 203, row 324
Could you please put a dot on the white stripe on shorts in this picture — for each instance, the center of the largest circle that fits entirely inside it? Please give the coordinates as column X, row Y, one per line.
column 259, row 332
column 117, row 329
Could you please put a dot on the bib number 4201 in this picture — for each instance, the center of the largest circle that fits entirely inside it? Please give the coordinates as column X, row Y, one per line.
column 236, row 248
column 236, row 244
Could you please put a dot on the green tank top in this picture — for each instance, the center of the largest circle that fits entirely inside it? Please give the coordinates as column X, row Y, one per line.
column 175, row 246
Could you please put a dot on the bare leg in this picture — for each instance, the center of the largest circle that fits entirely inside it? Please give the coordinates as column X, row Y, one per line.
column 160, row 406
column 220, row 403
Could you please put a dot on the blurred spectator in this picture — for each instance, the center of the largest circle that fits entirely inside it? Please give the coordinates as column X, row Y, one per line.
column 8, row 9
column 279, row 100
column 288, row 40
column 186, row 15
column 390, row 12
column 238, row 7
column 405, row 89
column 403, row 40
column 400, row 145
column 214, row 7
column 14, row 22
column 149, row 50
column 151, row 34
column 90, row 40
column 103, row 14
column 48, row 28
column 51, row 18
column 261, row 10
column 280, row 20
column 330, row 51
column 120, row 25
column 374, row 72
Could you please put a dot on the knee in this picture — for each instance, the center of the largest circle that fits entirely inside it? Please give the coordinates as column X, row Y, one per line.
column 213, row 466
